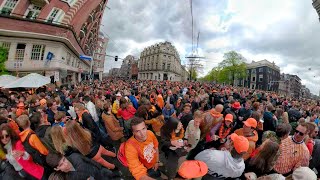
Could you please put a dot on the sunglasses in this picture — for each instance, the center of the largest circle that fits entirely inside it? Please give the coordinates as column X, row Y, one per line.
column 4, row 136
column 300, row 133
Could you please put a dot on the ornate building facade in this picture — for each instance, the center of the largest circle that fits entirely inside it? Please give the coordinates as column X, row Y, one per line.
column 316, row 5
column 99, row 56
column 161, row 62
column 48, row 36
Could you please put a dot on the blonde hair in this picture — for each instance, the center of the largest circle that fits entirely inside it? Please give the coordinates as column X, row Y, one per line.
column 59, row 115
column 59, row 142
column 78, row 137
column 79, row 106
column 23, row 121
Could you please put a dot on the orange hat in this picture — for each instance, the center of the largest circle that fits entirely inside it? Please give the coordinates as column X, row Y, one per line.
column 193, row 169
column 240, row 143
column 43, row 102
column 20, row 104
column 236, row 105
column 251, row 123
column 229, row 117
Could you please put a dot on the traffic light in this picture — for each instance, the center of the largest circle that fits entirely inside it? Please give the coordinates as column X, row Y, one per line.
column 116, row 58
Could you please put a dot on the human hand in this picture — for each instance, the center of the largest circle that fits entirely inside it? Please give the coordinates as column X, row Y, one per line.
column 156, row 166
column 17, row 154
column 214, row 137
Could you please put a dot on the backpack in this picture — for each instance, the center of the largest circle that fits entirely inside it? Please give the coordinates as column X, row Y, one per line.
column 122, row 153
column 35, row 154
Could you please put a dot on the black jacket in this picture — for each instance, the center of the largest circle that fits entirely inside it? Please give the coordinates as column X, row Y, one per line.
column 85, row 167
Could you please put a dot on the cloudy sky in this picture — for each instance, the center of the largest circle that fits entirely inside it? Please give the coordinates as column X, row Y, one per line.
column 284, row 31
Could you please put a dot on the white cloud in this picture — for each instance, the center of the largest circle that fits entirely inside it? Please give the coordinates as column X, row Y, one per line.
column 286, row 32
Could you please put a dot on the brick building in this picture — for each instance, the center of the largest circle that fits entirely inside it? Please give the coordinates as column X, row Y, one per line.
column 262, row 75
column 47, row 36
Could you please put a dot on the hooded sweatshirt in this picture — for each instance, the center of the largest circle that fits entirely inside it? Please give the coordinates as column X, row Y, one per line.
column 221, row 164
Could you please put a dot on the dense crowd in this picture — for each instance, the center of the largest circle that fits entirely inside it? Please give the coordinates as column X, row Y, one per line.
column 143, row 130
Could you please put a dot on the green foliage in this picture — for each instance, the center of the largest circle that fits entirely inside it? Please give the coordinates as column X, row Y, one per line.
column 231, row 68
column 3, row 59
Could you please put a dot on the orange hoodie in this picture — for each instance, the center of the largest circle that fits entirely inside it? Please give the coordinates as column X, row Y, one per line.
column 34, row 141
column 139, row 161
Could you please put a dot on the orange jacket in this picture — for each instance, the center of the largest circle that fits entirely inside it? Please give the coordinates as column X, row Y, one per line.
column 156, row 124
column 34, row 141
column 160, row 101
column 139, row 161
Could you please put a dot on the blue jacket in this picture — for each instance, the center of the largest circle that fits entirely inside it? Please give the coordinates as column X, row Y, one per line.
column 167, row 113
column 134, row 101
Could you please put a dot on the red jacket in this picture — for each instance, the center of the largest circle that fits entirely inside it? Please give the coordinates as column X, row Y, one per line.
column 128, row 113
column 28, row 165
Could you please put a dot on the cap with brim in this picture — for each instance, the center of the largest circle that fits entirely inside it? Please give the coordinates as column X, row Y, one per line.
column 240, row 143
column 229, row 117
column 193, row 169
column 251, row 122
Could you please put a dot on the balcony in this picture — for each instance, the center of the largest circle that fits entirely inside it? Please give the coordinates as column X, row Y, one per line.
column 35, row 65
column 39, row 3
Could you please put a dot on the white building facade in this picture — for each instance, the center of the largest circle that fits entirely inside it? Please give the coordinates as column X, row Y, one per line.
column 160, row 62
column 48, row 58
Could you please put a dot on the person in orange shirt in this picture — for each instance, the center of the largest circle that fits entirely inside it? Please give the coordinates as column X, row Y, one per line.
column 250, row 133
column 33, row 140
column 142, row 152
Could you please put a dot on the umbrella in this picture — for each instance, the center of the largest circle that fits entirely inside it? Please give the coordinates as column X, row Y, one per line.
column 32, row 80
column 6, row 79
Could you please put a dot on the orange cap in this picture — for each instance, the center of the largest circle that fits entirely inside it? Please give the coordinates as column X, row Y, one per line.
column 193, row 169
column 229, row 117
column 251, row 123
column 236, row 105
column 43, row 102
column 240, row 143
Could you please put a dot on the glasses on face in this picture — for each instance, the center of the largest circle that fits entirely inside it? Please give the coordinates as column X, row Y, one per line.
column 300, row 133
column 4, row 136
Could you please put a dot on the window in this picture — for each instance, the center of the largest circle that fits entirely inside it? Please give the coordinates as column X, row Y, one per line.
column 163, row 66
column 68, row 58
column 164, row 56
column 33, row 12
column 252, row 86
column 253, row 71
column 253, row 79
column 168, row 66
column 20, row 52
column 260, row 77
column 55, row 15
column 8, row 7
column 5, row 45
column 260, row 70
column 156, row 65
column 37, row 52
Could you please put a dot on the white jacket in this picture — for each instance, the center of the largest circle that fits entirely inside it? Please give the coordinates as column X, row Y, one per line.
column 221, row 164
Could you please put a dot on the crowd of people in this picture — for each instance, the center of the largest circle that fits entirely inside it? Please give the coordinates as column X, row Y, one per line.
column 143, row 130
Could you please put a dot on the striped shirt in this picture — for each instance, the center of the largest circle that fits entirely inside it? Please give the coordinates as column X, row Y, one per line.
column 292, row 156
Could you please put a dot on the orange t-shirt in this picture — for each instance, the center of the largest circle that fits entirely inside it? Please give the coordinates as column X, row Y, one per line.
column 139, row 161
